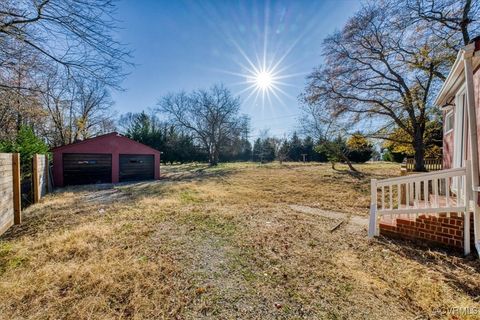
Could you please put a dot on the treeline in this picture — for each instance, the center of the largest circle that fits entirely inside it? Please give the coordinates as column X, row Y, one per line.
column 180, row 146
column 177, row 144
column 268, row 149
column 356, row 149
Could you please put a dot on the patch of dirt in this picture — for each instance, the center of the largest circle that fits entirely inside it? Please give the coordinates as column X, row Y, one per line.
column 354, row 223
column 105, row 196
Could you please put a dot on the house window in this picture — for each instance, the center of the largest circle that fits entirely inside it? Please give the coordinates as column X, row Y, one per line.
column 449, row 122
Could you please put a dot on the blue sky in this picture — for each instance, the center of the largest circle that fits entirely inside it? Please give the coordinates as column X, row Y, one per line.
column 185, row 45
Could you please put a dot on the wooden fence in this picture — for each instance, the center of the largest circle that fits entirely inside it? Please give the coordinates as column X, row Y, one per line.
column 10, row 202
column 431, row 164
column 40, row 179
column 10, row 186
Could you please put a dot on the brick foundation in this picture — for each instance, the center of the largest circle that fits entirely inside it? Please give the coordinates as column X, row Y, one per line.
column 439, row 230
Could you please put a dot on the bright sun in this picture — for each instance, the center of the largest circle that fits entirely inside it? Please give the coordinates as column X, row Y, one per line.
column 264, row 80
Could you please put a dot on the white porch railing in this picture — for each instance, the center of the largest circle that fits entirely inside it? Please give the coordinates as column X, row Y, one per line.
column 424, row 193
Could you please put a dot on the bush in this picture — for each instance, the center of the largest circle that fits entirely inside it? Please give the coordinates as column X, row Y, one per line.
column 360, row 150
column 393, row 156
column 360, row 156
column 334, row 150
column 27, row 144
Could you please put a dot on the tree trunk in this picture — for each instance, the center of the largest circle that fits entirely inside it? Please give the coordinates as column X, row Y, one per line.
column 466, row 22
column 211, row 160
column 213, row 156
column 419, row 147
column 349, row 163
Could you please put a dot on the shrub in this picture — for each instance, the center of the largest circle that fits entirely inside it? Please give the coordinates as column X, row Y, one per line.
column 360, row 149
column 27, row 144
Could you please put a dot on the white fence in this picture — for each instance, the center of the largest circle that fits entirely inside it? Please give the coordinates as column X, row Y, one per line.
column 433, row 192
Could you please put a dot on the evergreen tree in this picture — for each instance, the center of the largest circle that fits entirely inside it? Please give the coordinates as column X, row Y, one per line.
column 257, row 150
column 282, row 154
column 295, row 148
column 27, row 144
column 336, row 150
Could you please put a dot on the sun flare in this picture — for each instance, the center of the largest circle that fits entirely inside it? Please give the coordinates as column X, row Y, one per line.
column 264, row 80
column 264, row 77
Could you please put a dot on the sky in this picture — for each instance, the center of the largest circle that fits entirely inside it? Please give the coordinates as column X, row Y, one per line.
column 246, row 45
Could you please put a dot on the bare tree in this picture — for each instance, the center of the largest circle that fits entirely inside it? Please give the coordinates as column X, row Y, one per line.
column 313, row 121
column 377, row 67
column 22, row 106
column 76, row 35
column 211, row 116
column 93, row 111
column 58, row 58
column 330, row 133
column 17, row 110
column 448, row 19
column 76, row 110
column 58, row 101
column 385, row 66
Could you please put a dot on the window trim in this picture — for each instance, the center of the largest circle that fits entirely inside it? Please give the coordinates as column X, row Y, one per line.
column 450, row 113
column 460, row 128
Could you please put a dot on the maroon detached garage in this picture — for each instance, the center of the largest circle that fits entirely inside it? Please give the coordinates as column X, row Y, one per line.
column 109, row 158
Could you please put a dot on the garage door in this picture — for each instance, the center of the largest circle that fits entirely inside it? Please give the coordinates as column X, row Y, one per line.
column 136, row 167
column 85, row 168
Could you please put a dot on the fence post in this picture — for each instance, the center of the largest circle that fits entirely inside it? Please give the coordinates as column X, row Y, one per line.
column 17, row 193
column 403, row 188
column 35, row 180
column 372, row 228
column 47, row 178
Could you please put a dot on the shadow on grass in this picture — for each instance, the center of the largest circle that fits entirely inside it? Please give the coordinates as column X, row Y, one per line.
column 51, row 217
column 187, row 174
column 356, row 174
column 71, row 205
column 68, row 207
column 459, row 271
column 183, row 167
column 198, row 173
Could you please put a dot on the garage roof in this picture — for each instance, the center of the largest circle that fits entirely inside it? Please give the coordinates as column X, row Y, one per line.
column 112, row 135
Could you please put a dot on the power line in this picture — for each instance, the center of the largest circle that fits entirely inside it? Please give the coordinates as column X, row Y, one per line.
column 281, row 117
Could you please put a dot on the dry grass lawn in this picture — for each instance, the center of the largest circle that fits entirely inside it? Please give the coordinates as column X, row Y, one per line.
column 224, row 243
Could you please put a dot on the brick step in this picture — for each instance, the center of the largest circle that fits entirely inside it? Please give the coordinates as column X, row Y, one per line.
column 443, row 229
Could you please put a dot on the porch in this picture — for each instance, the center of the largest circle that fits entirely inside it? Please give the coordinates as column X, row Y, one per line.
column 434, row 207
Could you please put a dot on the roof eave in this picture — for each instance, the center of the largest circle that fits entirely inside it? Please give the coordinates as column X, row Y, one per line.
column 455, row 72
column 116, row 134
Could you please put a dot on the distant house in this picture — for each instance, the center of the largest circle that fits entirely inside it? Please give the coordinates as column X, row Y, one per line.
column 108, row 158
column 441, row 207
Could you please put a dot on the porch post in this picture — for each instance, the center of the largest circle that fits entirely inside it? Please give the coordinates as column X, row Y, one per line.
column 468, row 196
column 472, row 119
column 373, row 228
column 472, row 128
